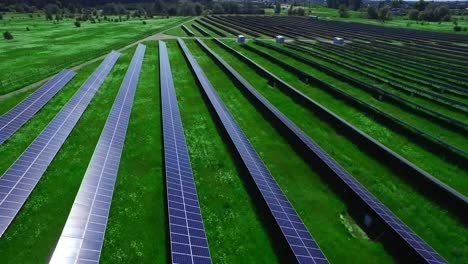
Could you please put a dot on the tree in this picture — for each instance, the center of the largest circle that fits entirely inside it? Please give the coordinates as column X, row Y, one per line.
column 354, row 4
column 421, row 5
column 77, row 24
column 110, row 9
column 372, row 12
column 158, row 7
column 384, row 13
column 198, row 9
column 172, row 11
column 413, row 14
column 397, row 3
column 1, row 17
column 278, row 8
column 7, row 35
column 48, row 15
column 218, row 9
column 300, row 11
column 343, row 10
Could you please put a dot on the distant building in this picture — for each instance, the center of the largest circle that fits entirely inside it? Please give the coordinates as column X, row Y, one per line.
column 241, row 39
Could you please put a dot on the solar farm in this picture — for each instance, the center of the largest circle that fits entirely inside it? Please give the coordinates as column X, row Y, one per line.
column 241, row 139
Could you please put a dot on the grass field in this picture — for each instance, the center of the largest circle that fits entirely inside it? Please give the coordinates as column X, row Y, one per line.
column 237, row 223
column 48, row 47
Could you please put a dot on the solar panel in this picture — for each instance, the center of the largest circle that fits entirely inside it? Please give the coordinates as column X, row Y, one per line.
column 187, row 232
column 301, row 242
column 22, row 112
column 83, row 235
column 20, row 179
column 404, row 232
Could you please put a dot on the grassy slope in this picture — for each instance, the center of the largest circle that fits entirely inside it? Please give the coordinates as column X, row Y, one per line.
column 47, row 48
column 33, row 235
column 432, row 223
column 317, row 205
column 136, row 230
column 234, row 231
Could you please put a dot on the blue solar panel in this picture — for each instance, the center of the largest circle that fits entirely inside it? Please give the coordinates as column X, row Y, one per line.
column 187, row 232
column 416, row 243
column 293, row 229
column 20, row 179
column 83, row 234
column 11, row 121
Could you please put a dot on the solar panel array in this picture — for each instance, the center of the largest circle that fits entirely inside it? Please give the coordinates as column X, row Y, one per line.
column 83, row 235
column 20, row 179
column 187, row 232
column 302, row 244
column 22, row 112
column 408, row 235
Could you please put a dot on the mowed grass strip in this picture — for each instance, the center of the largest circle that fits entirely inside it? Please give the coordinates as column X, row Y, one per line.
column 434, row 224
column 234, row 230
column 322, row 211
column 35, row 231
column 136, row 230
column 433, row 163
column 48, row 46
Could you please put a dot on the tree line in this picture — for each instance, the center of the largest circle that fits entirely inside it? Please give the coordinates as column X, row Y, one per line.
column 142, row 8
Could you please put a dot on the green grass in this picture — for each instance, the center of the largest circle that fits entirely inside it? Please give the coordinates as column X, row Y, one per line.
column 398, row 21
column 431, row 222
column 300, row 183
column 49, row 47
column 35, row 231
column 234, row 230
column 136, row 230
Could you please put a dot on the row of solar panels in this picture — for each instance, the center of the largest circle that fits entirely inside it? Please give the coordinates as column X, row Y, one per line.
column 441, row 192
column 442, row 118
column 83, row 234
column 293, row 230
column 449, row 150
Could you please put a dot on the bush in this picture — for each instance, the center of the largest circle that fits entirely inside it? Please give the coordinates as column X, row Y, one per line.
column 1, row 17
column 413, row 14
column 385, row 14
column 457, row 28
column 372, row 12
column 7, row 35
column 77, row 24
column 27, row 28
column 144, row 22
column 343, row 10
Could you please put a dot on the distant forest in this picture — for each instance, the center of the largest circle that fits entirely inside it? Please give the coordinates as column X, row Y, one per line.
column 122, row 7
